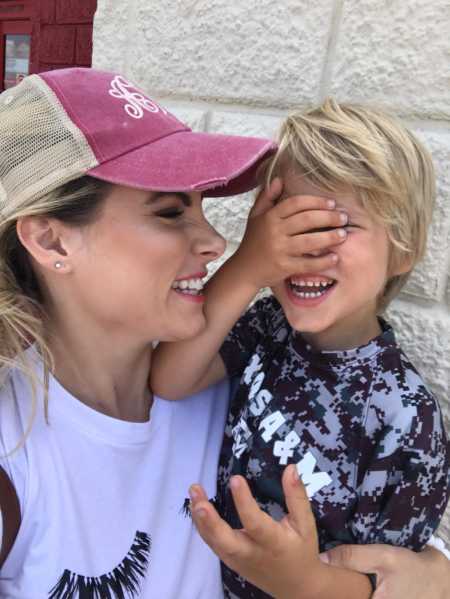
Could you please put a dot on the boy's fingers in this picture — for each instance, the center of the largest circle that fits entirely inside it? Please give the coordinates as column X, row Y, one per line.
column 299, row 245
column 297, row 503
column 297, row 204
column 230, row 545
column 197, row 493
column 314, row 221
column 257, row 524
column 266, row 197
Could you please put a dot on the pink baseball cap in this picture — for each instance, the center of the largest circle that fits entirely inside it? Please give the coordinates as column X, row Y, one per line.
column 63, row 124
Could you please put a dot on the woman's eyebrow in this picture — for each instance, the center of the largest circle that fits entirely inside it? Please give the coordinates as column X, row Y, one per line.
column 157, row 195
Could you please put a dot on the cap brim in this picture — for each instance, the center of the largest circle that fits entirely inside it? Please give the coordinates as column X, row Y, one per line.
column 218, row 165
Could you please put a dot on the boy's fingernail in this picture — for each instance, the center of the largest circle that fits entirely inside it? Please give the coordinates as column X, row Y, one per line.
column 295, row 476
column 331, row 204
column 334, row 257
column 324, row 558
column 193, row 494
column 344, row 217
column 342, row 233
column 234, row 482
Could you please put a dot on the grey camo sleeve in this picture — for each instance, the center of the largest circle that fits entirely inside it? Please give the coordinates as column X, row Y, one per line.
column 403, row 475
column 247, row 333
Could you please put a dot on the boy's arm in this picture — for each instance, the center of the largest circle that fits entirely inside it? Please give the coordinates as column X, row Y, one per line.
column 278, row 242
column 281, row 558
column 404, row 487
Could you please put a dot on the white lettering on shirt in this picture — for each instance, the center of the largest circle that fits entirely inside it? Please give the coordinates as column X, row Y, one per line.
column 260, row 402
column 312, row 481
column 254, row 366
column 285, row 449
column 259, row 398
column 241, row 434
column 270, row 424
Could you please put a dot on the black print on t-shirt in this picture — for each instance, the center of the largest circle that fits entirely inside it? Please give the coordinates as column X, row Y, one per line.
column 186, row 507
column 122, row 582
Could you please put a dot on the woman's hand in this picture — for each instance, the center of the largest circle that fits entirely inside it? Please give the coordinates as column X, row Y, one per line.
column 295, row 235
column 401, row 574
column 281, row 558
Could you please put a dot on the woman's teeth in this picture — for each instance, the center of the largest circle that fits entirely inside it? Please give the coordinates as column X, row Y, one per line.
column 309, row 289
column 189, row 286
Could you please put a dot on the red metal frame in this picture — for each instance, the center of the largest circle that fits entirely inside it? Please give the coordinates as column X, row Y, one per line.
column 16, row 10
column 7, row 28
column 40, row 18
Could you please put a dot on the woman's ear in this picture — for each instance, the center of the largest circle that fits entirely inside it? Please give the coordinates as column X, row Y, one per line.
column 47, row 240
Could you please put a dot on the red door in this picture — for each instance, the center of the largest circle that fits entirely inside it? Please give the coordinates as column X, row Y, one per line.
column 15, row 46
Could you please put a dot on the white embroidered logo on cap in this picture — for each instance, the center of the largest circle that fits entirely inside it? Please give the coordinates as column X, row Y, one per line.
column 137, row 102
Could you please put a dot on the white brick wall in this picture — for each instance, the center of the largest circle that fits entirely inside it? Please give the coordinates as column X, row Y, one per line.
column 237, row 67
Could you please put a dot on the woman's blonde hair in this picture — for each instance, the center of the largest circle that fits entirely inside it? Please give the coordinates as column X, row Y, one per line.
column 346, row 145
column 22, row 310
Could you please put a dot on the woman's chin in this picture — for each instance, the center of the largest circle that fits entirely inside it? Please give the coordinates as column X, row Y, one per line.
column 187, row 329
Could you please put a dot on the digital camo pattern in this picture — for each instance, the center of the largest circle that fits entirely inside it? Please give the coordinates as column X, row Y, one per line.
column 366, row 435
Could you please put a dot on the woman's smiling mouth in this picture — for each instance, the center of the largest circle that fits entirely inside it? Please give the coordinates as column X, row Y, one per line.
column 190, row 287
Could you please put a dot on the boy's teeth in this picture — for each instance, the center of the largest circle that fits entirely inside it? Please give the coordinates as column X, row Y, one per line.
column 302, row 283
column 309, row 289
column 191, row 286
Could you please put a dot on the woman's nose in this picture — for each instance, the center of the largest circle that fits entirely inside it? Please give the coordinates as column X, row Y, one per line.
column 210, row 243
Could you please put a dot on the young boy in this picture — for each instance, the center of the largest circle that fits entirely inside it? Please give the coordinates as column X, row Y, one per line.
column 323, row 383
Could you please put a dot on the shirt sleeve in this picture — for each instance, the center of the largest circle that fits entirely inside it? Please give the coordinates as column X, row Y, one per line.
column 439, row 544
column 13, row 453
column 403, row 475
column 249, row 331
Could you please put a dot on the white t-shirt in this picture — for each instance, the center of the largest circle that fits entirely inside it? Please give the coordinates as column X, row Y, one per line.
column 104, row 502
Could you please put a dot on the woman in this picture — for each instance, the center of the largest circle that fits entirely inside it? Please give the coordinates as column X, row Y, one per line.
column 103, row 249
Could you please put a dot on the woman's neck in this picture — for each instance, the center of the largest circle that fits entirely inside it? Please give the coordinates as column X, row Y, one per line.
column 106, row 374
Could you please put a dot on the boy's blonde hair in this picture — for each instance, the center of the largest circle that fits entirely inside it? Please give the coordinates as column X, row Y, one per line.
column 336, row 145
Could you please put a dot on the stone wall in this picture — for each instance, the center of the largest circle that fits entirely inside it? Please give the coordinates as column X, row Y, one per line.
column 238, row 67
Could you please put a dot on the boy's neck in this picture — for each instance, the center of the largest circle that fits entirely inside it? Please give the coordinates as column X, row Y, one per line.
column 342, row 336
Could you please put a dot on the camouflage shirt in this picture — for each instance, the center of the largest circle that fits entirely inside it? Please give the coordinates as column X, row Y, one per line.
column 366, row 435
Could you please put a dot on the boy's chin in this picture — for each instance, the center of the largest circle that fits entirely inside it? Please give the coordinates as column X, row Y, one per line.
column 305, row 322
column 303, row 326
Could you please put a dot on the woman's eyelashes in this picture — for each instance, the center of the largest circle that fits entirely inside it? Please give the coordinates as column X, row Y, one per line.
column 170, row 213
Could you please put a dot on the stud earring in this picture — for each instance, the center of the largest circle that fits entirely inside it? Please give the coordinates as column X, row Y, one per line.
column 58, row 265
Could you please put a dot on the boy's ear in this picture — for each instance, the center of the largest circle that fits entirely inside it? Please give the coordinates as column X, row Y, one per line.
column 47, row 240
column 400, row 265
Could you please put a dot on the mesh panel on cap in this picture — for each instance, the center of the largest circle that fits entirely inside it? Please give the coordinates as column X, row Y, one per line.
column 40, row 147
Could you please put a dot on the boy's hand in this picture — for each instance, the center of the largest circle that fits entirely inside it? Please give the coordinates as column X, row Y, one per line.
column 281, row 558
column 281, row 239
column 401, row 573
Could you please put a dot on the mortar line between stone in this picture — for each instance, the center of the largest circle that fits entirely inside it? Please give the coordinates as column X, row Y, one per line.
column 130, row 21
column 327, row 71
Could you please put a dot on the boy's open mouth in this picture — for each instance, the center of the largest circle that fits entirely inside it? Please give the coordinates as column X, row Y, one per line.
column 310, row 287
